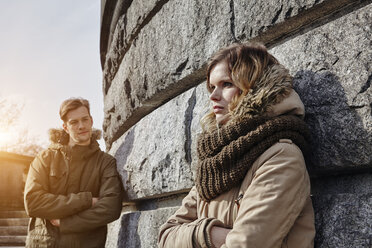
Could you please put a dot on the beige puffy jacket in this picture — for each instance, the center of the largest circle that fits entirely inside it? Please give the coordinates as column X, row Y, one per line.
column 271, row 208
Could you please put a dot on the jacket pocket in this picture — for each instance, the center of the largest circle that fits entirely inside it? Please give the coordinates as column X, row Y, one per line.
column 40, row 240
column 58, row 179
column 285, row 242
column 41, row 234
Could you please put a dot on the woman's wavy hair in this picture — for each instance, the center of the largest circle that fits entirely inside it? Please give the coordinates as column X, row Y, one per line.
column 246, row 63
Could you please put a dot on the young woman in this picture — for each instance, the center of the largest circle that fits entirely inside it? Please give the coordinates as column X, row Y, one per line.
column 252, row 188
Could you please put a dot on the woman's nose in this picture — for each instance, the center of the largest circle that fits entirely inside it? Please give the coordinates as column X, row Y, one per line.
column 215, row 95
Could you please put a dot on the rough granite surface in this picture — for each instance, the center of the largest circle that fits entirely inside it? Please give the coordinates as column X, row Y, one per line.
column 332, row 73
column 138, row 229
column 152, row 72
column 153, row 157
column 343, row 210
column 342, row 184
column 163, row 160
column 265, row 14
column 138, row 14
column 343, row 220
column 152, row 59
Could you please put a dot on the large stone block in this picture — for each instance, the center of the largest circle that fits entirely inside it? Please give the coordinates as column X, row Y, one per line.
column 127, row 27
column 162, row 61
column 138, row 229
column 343, row 220
column 111, row 11
column 157, row 156
column 343, row 210
column 154, row 156
column 332, row 72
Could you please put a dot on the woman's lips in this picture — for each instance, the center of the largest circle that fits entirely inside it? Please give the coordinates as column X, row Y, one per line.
column 217, row 109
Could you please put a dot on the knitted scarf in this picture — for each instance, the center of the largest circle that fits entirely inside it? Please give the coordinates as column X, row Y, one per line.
column 225, row 155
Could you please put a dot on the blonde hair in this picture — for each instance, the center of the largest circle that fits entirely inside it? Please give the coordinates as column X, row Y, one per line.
column 246, row 63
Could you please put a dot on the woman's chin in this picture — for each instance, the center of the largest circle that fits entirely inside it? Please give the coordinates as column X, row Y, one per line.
column 222, row 119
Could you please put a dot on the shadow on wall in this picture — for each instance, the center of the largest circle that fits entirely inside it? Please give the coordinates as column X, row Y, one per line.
column 340, row 146
column 128, row 234
column 121, row 156
column 339, row 141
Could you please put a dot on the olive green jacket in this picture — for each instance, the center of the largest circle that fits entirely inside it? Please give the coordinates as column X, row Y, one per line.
column 60, row 185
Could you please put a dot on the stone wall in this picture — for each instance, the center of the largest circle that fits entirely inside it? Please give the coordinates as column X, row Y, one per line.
column 154, row 55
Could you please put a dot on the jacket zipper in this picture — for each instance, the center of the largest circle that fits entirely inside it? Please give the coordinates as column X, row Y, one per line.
column 237, row 201
column 68, row 159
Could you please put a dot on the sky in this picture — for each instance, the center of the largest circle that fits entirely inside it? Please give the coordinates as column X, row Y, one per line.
column 49, row 51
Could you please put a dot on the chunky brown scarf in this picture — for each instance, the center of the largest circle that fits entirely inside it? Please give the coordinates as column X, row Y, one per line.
column 225, row 155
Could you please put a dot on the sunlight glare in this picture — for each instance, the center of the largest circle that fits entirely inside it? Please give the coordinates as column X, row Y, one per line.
column 6, row 138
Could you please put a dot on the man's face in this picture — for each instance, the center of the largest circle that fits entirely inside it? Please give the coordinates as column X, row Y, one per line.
column 79, row 126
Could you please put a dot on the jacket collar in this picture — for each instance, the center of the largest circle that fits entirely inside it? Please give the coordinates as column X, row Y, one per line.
column 290, row 105
column 59, row 141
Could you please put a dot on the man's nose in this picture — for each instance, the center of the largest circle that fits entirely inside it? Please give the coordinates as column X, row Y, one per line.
column 81, row 125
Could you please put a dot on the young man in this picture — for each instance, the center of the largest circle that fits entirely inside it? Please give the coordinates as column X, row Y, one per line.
column 73, row 188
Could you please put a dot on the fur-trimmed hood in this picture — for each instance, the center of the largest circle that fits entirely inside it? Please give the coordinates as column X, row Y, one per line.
column 59, row 136
column 272, row 95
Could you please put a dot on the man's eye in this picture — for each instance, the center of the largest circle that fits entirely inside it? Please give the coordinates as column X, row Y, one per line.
column 227, row 84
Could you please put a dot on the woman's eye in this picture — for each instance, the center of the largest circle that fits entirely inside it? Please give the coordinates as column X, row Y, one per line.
column 227, row 84
column 212, row 88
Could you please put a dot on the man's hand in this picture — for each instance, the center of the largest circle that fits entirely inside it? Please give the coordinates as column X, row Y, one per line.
column 55, row 222
column 218, row 235
column 94, row 201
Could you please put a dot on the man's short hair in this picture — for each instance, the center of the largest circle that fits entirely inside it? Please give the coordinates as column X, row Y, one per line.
column 72, row 104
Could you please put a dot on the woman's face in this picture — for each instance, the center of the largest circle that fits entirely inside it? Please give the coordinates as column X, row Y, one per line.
column 223, row 91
